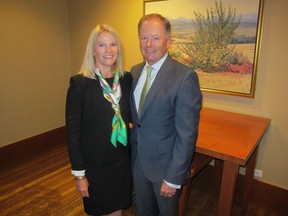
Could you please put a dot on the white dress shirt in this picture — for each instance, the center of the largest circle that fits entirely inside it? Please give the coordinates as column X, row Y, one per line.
column 142, row 78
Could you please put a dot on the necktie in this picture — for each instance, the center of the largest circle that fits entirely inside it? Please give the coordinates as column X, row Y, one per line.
column 145, row 89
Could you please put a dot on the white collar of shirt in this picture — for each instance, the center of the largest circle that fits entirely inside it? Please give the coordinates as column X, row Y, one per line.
column 158, row 64
column 156, row 67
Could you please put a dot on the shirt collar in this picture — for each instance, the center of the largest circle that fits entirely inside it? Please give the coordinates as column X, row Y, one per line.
column 158, row 64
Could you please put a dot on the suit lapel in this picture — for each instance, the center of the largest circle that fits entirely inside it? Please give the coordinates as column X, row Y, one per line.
column 136, row 74
column 159, row 81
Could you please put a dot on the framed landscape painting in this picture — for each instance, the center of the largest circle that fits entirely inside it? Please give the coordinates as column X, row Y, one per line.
column 219, row 39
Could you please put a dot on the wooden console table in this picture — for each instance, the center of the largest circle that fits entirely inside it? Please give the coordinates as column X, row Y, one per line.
column 233, row 138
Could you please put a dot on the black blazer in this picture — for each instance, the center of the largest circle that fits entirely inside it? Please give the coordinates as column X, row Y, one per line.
column 89, row 119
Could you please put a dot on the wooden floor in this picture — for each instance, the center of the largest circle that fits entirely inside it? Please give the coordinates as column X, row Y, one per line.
column 44, row 186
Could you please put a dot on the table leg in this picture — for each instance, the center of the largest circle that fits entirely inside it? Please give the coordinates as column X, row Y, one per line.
column 183, row 201
column 227, row 190
column 217, row 175
column 248, row 179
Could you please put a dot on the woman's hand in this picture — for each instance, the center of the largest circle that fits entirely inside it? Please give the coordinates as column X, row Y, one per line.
column 82, row 186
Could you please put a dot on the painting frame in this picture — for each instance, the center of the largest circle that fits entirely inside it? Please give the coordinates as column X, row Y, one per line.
column 237, row 79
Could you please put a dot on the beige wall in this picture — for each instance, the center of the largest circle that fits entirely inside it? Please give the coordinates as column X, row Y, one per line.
column 42, row 107
column 271, row 88
column 34, row 65
column 122, row 15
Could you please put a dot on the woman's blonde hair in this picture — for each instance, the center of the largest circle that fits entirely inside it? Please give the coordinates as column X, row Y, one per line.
column 88, row 66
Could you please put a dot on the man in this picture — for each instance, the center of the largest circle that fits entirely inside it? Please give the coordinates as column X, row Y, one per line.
column 165, row 128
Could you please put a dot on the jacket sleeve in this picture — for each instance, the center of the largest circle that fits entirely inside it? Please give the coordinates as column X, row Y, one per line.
column 187, row 115
column 74, row 106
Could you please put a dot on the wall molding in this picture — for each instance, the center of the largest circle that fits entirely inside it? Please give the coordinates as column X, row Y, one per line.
column 270, row 196
column 13, row 154
column 264, row 195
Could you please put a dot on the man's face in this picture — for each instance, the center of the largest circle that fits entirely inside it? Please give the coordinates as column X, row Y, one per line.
column 154, row 42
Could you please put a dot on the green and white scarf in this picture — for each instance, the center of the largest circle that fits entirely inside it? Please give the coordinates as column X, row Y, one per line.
column 119, row 131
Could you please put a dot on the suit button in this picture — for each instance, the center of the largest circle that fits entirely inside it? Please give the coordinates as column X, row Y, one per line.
column 138, row 125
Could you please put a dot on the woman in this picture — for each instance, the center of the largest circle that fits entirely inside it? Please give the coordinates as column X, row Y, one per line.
column 97, row 118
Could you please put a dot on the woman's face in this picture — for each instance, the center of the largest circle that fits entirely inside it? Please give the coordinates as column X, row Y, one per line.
column 105, row 50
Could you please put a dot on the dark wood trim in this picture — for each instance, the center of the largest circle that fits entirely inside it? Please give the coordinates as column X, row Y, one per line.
column 263, row 194
column 18, row 152
column 270, row 196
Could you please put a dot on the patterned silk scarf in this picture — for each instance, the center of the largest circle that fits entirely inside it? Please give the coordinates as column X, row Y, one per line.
column 119, row 132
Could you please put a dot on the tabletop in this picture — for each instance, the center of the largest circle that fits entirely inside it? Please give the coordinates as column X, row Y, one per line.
column 229, row 136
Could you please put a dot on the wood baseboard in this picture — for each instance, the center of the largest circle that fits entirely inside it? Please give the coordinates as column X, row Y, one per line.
column 270, row 196
column 18, row 152
column 263, row 194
